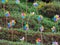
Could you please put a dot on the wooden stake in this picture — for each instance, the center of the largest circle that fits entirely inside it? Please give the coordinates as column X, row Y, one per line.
column 26, row 31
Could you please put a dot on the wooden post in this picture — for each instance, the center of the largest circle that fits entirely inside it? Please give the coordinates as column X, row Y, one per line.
column 26, row 31
column 22, row 24
column 12, row 35
column 6, row 18
column 42, row 37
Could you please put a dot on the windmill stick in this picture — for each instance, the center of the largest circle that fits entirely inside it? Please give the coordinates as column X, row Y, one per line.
column 4, row 13
column 12, row 35
column 26, row 31
column 22, row 23
column 42, row 37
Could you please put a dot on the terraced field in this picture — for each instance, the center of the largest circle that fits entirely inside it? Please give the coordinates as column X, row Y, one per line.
column 12, row 35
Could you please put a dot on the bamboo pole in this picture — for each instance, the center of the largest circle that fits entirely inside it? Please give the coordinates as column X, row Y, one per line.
column 26, row 31
column 6, row 17
column 42, row 37
column 12, row 31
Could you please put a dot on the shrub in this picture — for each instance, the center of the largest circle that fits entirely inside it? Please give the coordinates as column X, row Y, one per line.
column 49, row 10
column 47, row 1
column 58, row 10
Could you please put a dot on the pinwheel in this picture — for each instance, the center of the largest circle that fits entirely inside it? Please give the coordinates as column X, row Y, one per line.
column 53, row 29
column 7, row 14
column 13, row 22
column 26, row 27
column 3, row 1
column 6, row 1
column 9, row 25
column 23, row 15
column 42, row 28
column 40, row 17
column 56, row 18
column 35, row 4
column 38, row 40
column 54, row 43
column 17, row 1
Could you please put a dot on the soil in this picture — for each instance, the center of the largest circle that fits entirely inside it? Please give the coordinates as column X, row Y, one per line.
column 16, row 35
